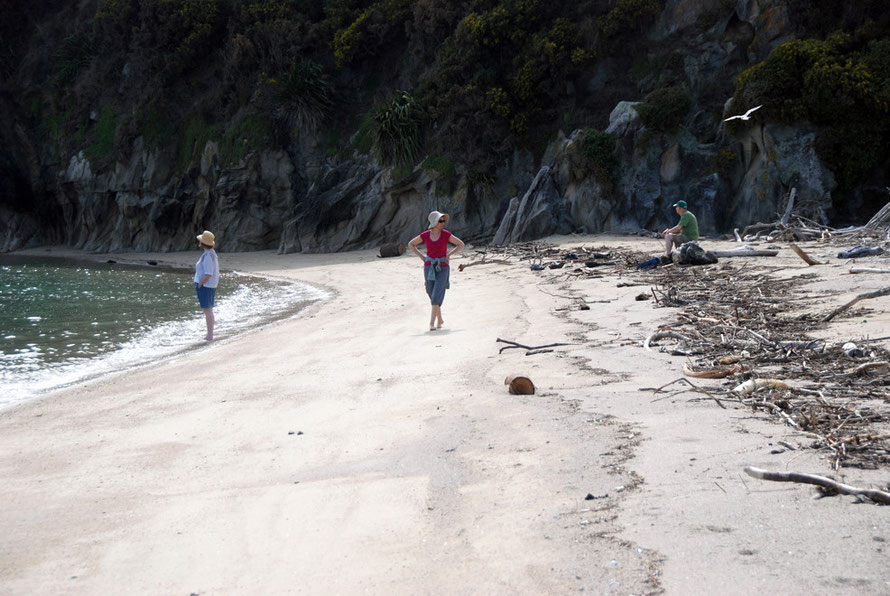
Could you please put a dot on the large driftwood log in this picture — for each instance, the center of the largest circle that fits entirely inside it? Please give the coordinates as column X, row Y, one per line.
column 750, row 252
column 865, row 296
column 878, row 496
column 868, row 270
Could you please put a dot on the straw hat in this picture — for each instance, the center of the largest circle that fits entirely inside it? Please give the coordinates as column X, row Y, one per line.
column 207, row 238
column 435, row 216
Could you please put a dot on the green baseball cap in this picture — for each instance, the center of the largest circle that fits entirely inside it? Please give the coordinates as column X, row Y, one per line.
column 680, row 204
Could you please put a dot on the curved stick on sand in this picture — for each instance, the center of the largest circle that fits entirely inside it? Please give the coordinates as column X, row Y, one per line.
column 662, row 335
column 878, row 496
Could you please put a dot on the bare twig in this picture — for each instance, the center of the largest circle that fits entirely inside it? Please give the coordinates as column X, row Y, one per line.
column 865, row 296
column 878, row 496
column 513, row 344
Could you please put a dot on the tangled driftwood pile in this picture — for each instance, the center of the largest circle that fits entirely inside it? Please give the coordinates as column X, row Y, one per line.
column 738, row 324
column 795, row 228
column 586, row 261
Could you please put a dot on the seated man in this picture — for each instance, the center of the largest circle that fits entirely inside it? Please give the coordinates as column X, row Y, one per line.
column 686, row 229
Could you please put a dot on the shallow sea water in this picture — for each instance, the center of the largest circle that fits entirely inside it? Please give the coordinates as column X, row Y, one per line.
column 64, row 321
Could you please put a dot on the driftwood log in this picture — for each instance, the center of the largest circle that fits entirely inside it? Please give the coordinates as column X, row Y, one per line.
column 749, row 252
column 392, row 249
column 865, row 296
column 868, row 270
column 878, row 496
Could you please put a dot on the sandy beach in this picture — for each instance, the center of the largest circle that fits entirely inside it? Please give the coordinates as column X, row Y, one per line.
column 350, row 450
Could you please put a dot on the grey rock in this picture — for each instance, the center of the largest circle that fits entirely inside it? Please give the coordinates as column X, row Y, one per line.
column 540, row 212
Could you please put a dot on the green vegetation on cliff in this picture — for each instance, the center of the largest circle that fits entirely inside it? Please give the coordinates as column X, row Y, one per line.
column 458, row 85
column 841, row 84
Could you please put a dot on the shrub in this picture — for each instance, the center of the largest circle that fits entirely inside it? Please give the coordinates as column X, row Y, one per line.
column 598, row 149
column 194, row 137
column 444, row 167
column 395, row 129
column 725, row 162
column 156, row 127
column 841, row 84
column 664, row 109
column 370, row 31
column 628, row 16
column 248, row 134
column 173, row 35
column 103, row 135
column 303, row 96
column 74, row 52
column 113, row 24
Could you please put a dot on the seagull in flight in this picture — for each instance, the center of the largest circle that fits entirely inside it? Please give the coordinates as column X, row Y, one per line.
column 745, row 116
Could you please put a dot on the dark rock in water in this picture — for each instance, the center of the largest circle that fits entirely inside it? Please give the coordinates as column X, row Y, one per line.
column 152, row 263
column 111, row 261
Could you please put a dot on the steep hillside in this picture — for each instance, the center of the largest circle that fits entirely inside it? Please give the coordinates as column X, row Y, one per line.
column 318, row 126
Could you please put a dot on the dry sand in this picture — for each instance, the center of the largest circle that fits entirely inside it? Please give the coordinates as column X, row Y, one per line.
column 349, row 450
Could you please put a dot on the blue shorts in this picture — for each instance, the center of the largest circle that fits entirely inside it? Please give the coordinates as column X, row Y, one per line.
column 206, row 296
column 436, row 289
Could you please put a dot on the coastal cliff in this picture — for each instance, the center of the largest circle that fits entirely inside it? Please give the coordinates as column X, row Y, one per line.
column 321, row 129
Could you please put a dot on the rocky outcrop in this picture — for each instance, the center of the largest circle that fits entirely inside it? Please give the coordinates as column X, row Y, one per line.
column 776, row 159
column 302, row 200
column 541, row 211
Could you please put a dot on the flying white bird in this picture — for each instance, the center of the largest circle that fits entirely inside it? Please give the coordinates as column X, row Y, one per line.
column 745, row 116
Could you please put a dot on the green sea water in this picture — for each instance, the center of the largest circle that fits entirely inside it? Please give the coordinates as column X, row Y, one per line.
column 65, row 321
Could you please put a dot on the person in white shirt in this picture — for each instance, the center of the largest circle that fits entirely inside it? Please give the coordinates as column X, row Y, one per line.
column 207, row 278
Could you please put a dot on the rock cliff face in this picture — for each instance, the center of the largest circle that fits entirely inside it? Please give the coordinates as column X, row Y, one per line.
column 298, row 200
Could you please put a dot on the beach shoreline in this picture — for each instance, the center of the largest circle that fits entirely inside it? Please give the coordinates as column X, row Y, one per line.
column 151, row 343
column 349, row 449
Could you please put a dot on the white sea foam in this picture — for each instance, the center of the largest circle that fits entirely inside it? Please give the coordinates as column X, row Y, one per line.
column 249, row 307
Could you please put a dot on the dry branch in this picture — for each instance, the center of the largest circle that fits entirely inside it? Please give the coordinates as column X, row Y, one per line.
column 865, row 296
column 878, row 496
column 807, row 258
column 530, row 349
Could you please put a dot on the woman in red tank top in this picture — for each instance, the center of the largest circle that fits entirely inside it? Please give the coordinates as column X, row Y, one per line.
column 436, row 271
